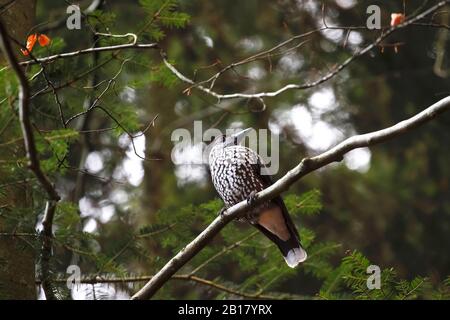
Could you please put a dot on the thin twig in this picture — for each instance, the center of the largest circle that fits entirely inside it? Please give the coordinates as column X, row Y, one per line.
column 222, row 252
column 293, row 86
column 91, row 50
column 202, row 281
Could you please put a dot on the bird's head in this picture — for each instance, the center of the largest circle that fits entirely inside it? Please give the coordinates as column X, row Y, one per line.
column 230, row 140
column 222, row 141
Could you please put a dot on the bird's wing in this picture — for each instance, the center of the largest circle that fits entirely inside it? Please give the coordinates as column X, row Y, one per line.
column 276, row 223
column 259, row 169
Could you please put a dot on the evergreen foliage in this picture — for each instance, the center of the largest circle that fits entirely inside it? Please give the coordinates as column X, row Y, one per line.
column 131, row 244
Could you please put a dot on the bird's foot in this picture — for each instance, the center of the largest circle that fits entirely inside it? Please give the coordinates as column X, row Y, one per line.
column 252, row 197
column 222, row 211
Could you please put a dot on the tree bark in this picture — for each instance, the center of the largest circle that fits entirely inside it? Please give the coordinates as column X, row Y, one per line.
column 17, row 257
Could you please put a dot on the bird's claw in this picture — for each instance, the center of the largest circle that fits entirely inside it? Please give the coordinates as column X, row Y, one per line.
column 222, row 211
column 252, row 197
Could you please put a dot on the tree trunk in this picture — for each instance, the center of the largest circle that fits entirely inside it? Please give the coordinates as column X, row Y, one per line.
column 17, row 257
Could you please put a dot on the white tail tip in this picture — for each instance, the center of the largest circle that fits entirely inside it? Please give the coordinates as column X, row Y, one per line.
column 295, row 256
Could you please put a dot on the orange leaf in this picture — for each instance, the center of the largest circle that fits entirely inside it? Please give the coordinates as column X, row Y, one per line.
column 31, row 41
column 44, row 40
column 397, row 18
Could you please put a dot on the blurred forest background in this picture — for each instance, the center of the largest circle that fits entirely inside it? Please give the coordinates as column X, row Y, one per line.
column 123, row 217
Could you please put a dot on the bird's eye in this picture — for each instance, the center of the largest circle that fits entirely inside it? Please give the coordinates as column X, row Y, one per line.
column 223, row 138
column 235, row 141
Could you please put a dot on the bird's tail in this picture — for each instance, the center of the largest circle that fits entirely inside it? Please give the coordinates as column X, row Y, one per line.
column 295, row 253
column 278, row 226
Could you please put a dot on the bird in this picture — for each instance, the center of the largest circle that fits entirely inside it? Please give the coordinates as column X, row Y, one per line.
column 237, row 174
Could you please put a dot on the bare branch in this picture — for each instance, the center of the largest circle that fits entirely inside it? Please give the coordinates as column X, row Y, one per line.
column 306, row 166
column 24, row 115
column 208, row 90
column 91, row 50
column 32, row 156
column 62, row 22
column 110, row 83
column 74, row 79
column 202, row 281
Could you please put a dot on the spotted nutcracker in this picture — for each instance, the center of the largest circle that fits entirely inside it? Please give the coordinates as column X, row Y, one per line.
column 238, row 174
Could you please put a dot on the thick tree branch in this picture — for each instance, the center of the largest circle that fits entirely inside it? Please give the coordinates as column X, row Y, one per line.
column 305, row 167
column 32, row 156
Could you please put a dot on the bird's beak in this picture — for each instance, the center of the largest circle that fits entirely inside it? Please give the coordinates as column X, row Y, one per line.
column 239, row 136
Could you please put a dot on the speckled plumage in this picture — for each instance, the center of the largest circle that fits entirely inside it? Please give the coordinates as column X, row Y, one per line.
column 235, row 172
